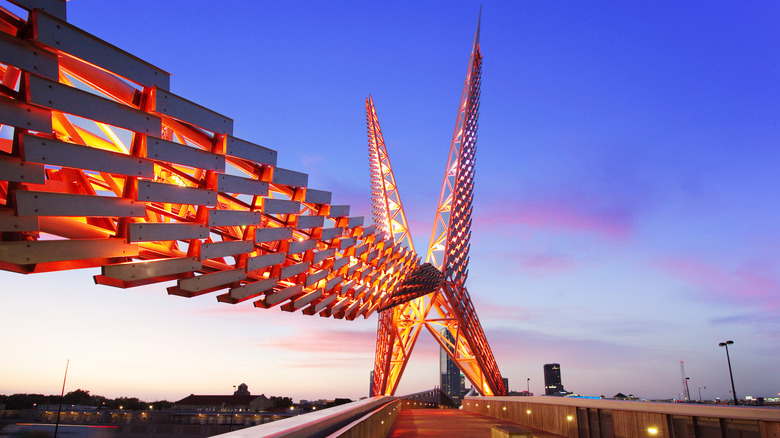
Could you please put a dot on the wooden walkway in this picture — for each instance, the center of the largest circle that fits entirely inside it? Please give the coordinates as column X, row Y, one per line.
column 447, row 423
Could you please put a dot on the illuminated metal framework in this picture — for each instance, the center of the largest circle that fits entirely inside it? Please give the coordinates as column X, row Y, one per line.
column 438, row 285
column 102, row 166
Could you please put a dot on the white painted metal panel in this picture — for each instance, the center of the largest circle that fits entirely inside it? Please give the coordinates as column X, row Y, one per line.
column 340, row 263
column 228, row 218
column 293, row 270
column 253, row 289
column 339, row 211
column 44, row 251
column 59, row 153
column 360, row 250
column 324, row 303
column 264, row 261
column 166, row 231
column 172, row 152
column 351, row 308
column 348, row 242
column 305, row 222
column 283, row 294
column 14, row 169
column 23, row 115
column 10, row 222
column 236, row 184
column 179, row 108
column 26, row 56
column 250, row 151
column 338, row 306
column 142, row 269
column 333, row 282
column 29, row 203
column 330, row 233
column 353, row 268
column 280, row 206
column 68, row 38
column 299, row 246
column 315, row 277
column 223, row 249
column 317, row 196
column 306, row 299
column 56, row 8
column 60, row 97
column 355, row 221
column 160, row 192
column 322, row 255
column 212, row 280
column 272, row 234
column 289, row 177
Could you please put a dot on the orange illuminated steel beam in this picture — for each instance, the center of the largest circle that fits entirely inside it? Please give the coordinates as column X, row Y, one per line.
column 102, row 166
column 400, row 326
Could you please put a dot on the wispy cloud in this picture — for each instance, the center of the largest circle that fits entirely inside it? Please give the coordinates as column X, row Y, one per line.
column 569, row 214
column 326, row 341
column 752, row 283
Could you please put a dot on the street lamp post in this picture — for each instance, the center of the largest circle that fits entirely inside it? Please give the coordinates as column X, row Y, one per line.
column 528, row 385
column 731, row 375
column 700, row 392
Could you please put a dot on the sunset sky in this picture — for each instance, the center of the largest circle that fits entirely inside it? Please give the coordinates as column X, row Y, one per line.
column 626, row 211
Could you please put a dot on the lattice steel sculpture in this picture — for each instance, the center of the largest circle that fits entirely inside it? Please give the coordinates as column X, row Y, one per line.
column 107, row 167
column 437, row 285
column 101, row 165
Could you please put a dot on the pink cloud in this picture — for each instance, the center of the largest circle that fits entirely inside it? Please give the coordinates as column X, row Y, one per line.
column 576, row 214
column 327, row 341
column 752, row 283
column 492, row 311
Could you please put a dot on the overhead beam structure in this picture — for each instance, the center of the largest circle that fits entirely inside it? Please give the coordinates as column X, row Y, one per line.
column 102, row 165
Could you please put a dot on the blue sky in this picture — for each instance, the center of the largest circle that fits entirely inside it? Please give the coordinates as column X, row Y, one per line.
column 626, row 207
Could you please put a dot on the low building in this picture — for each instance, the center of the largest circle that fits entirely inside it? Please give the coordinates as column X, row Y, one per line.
column 241, row 401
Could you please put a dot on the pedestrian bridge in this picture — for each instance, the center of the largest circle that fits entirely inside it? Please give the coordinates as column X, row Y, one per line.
column 544, row 417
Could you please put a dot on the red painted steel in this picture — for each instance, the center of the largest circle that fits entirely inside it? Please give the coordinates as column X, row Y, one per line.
column 107, row 168
column 448, row 252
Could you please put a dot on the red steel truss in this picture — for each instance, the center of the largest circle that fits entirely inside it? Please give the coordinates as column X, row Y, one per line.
column 101, row 165
column 448, row 251
column 105, row 167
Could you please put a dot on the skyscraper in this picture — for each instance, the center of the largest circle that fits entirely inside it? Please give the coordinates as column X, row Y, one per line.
column 552, row 380
column 451, row 382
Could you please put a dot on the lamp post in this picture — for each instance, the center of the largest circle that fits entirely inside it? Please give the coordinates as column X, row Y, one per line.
column 687, row 390
column 700, row 392
column 731, row 375
column 528, row 385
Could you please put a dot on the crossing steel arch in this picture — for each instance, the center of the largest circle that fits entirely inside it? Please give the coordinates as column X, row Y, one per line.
column 434, row 296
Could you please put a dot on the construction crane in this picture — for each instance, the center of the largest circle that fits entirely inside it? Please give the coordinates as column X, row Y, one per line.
column 685, row 392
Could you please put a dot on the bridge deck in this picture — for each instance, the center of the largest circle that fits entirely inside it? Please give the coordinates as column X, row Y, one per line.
column 448, row 423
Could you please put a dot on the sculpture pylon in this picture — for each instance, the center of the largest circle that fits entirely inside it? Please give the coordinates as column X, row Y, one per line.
column 439, row 284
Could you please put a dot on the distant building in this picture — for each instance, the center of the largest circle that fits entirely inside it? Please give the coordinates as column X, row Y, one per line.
column 552, row 380
column 451, row 382
column 241, row 400
column 506, row 383
column 371, row 385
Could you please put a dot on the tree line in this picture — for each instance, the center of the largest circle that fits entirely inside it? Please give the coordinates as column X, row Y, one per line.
column 83, row 398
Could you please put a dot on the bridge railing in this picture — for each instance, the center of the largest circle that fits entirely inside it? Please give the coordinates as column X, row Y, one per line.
column 371, row 417
column 573, row 418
